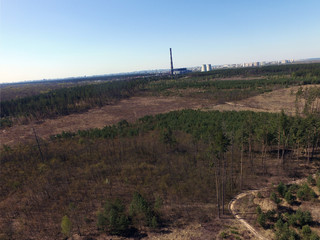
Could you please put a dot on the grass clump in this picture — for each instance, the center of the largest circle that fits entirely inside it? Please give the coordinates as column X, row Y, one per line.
column 66, row 226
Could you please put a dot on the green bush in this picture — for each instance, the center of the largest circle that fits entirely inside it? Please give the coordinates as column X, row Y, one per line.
column 305, row 193
column 311, row 180
column 262, row 220
column 289, row 197
column 285, row 233
column 293, row 188
column 270, row 214
column 306, row 231
column 113, row 218
column 279, row 225
column 275, row 198
column 258, row 210
column 142, row 211
column 282, row 189
column 308, row 234
column 300, row 218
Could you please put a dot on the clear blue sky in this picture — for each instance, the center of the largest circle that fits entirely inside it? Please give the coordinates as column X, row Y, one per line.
column 61, row 38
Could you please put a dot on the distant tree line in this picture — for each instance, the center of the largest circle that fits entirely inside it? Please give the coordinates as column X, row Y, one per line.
column 69, row 100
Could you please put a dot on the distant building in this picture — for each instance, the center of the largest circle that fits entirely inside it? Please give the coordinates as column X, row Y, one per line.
column 204, row 68
column 177, row 71
column 284, row 61
column 208, row 67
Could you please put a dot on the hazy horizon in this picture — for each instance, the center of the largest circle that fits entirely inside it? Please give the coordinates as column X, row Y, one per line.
column 59, row 39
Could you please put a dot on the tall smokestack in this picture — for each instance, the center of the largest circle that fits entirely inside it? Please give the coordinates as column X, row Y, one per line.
column 171, row 62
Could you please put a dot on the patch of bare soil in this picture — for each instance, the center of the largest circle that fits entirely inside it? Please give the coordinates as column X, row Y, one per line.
column 275, row 101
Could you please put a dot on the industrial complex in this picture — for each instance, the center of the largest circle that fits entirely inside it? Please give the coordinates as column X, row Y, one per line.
column 208, row 67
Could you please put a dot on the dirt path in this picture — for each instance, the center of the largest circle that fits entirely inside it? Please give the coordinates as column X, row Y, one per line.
column 232, row 204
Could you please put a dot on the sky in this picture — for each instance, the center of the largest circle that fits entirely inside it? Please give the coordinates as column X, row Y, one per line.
column 46, row 39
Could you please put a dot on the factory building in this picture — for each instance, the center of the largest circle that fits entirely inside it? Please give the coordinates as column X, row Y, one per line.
column 177, row 71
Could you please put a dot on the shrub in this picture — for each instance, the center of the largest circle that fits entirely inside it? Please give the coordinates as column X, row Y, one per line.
column 282, row 189
column 262, row 220
column 306, row 231
column 270, row 214
column 285, row 233
column 293, row 188
column 311, row 180
column 275, row 198
column 142, row 211
column 279, row 225
column 300, row 218
column 305, row 193
column 289, row 197
column 113, row 219
column 258, row 210
column 66, row 226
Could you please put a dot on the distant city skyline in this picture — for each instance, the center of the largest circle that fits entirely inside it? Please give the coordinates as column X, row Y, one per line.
column 58, row 39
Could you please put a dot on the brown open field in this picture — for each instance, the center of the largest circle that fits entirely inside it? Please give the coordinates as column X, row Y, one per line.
column 275, row 101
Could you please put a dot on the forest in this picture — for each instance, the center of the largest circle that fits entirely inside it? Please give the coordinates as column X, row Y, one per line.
column 133, row 178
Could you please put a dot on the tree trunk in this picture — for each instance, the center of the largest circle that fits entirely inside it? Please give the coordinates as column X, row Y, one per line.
column 279, row 144
column 223, row 184
column 241, row 168
column 217, row 191
column 231, row 170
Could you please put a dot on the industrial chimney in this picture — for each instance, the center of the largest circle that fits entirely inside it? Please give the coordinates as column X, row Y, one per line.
column 171, row 62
